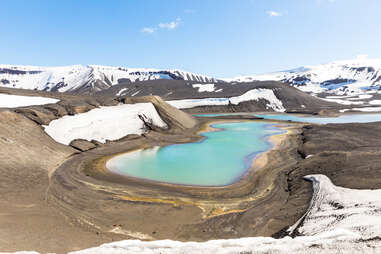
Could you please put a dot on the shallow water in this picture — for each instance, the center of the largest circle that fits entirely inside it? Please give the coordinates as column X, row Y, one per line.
column 347, row 118
column 222, row 158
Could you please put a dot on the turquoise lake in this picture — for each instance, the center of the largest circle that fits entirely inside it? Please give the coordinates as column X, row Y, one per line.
column 347, row 118
column 221, row 158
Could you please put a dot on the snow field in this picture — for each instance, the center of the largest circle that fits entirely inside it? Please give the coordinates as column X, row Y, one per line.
column 14, row 101
column 105, row 123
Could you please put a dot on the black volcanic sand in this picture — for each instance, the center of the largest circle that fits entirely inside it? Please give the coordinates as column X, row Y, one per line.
column 55, row 198
column 107, row 203
column 266, row 201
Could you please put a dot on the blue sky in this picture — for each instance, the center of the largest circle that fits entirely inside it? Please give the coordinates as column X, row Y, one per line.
column 221, row 38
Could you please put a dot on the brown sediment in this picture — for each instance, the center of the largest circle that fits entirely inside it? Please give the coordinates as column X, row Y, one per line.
column 80, row 205
column 88, row 179
column 83, row 204
column 99, row 207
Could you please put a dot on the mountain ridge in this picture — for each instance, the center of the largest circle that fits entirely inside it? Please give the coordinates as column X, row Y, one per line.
column 343, row 77
column 85, row 78
column 349, row 82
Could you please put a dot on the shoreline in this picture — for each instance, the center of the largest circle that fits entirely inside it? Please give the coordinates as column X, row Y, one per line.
column 258, row 161
column 180, row 206
column 276, row 140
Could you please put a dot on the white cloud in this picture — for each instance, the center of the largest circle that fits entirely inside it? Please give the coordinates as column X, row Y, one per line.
column 274, row 14
column 148, row 30
column 171, row 25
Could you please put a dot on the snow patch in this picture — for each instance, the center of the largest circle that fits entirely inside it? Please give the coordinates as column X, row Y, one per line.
column 375, row 102
column 332, row 207
column 364, row 109
column 14, row 101
column 105, row 123
column 255, row 94
column 365, row 96
column 204, row 87
column 121, row 91
column 136, row 93
column 344, row 102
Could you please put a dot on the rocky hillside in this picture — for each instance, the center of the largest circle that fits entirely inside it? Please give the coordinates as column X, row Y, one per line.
column 224, row 97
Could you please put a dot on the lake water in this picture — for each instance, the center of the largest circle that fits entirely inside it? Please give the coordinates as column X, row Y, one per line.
column 221, row 158
column 347, row 118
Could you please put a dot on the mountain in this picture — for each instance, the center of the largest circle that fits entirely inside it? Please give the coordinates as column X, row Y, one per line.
column 354, row 83
column 85, row 79
column 341, row 78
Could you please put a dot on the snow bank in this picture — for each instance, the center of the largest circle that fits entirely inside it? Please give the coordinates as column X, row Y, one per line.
column 258, row 245
column 375, row 102
column 105, row 123
column 365, row 109
column 344, row 102
column 21, row 252
column 339, row 220
column 13, row 101
column 255, row 94
column 357, row 212
column 204, row 87
column 121, row 91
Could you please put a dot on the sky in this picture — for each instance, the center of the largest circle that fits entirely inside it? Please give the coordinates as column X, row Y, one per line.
column 220, row 38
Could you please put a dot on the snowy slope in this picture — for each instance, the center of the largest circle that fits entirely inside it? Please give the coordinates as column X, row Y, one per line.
column 13, row 101
column 339, row 220
column 350, row 77
column 113, row 74
column 82, row 78
column 105, row 123
column 253, row 95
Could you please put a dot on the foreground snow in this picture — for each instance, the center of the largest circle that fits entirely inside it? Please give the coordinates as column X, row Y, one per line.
column 105, row 123
column 339, row 220
column 13, row 101
column 256, row 94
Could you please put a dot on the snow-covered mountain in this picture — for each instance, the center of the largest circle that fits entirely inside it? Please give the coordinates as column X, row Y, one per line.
column 342, row 78
column 84, row 79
